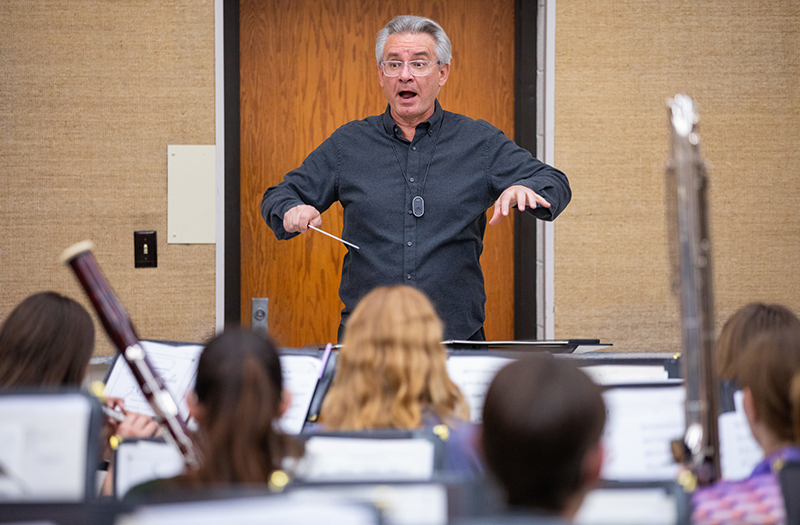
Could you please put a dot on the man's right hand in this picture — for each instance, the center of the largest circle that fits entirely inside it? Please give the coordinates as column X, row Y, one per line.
column 298, row 218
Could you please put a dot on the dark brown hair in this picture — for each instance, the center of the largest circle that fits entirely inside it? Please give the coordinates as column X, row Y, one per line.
column 239, row 386
column 47, row 340
column 541, row 417
column 742, row 326
column 770, row 368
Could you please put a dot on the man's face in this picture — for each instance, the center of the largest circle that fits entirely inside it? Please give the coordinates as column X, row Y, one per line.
column 412, row 98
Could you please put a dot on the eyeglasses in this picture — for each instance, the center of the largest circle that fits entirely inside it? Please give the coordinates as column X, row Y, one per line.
column 418, row 68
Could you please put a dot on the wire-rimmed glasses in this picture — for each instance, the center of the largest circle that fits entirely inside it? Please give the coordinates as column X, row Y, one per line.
column 418, row 68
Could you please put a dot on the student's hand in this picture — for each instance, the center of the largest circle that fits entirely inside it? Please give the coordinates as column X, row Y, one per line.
column 118, row 404
column 138, row 425
column 135, row 425
column 298, row 218
column 518, row 196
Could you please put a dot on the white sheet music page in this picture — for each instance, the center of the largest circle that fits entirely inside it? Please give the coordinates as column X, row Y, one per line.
column 640, row 426
column 473, row 375
column 622, row 374
column 143, row 461
column 177, row 366
column 43, row 447
column 406, row 504
column 362, row 459
column 274, row 509
column 739, row 451
column 645, row 506
column 300, row 375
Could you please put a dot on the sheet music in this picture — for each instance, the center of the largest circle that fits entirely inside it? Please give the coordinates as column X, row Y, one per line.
column 362, row 459
column 640, row 426
column 252, row 511
column 300, row 375
column 399, row 504
column 472, row 375
column 739, row 451
column 177, row 366
column 140, row 461
column 44, row 446
column 645, row 506
column 622, row 374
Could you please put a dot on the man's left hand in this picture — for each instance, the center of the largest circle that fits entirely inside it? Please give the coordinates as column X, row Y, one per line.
column 518, row 196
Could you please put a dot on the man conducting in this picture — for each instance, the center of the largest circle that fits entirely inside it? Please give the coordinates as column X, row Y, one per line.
column 414, row 184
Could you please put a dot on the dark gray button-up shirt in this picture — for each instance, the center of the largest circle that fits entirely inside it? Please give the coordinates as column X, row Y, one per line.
column 458, row 166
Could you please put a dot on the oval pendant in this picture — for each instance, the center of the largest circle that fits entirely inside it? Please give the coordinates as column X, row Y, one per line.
column 418, row 206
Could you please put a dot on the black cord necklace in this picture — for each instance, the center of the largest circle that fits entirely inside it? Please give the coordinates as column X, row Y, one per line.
column 417, row 203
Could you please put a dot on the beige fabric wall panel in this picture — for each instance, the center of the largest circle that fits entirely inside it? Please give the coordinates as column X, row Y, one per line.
column 91, row 94
column 617, row 62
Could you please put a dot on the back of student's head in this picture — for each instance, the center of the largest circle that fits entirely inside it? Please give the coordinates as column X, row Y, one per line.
column 542, row 423
column 742, row 326
column 238, row 395
column 392, row 367
column 47, row 340
column 770, row 368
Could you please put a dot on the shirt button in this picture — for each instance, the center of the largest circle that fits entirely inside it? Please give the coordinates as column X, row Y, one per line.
column 414, row 148
column 411, row 179
column 408, row 277
column 410, row 243
column 410, row 212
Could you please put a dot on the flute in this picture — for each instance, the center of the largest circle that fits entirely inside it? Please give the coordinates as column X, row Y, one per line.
column 113, row 414
column 120, row 330
column 97, row 388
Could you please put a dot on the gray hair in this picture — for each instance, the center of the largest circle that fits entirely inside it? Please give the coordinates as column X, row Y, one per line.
column 415, row 24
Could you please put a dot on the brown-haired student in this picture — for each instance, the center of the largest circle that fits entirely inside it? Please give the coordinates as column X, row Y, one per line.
column 768, row 371
column 542, row 424
column 237, row 400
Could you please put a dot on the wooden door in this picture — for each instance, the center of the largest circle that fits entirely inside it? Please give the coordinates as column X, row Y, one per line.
column 307, row 67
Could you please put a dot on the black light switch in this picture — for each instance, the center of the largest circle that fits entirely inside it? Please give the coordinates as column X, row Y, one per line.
column 145, row 254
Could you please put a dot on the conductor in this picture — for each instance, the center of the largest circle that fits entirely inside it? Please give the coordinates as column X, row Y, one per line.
column 415, row 184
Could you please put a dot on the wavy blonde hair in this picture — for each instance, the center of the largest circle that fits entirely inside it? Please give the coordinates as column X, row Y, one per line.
column 392, row 366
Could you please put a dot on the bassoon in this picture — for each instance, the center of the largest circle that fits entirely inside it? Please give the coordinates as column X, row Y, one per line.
column 120, row 330
column 690, row 246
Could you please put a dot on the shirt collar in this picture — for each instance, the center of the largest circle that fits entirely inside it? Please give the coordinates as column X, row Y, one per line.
column 432, row 123
column 775, row 461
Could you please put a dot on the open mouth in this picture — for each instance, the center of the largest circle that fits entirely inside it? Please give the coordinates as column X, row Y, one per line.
column 406, row 95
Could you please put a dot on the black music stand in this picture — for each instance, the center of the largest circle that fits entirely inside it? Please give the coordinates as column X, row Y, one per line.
column 560, row 346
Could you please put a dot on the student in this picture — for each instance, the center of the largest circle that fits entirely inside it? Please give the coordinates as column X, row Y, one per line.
column 769, row 373
column 542, row 424
column 392, row 374
column 237, row 400
column 742, row 326
column 46, row 341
